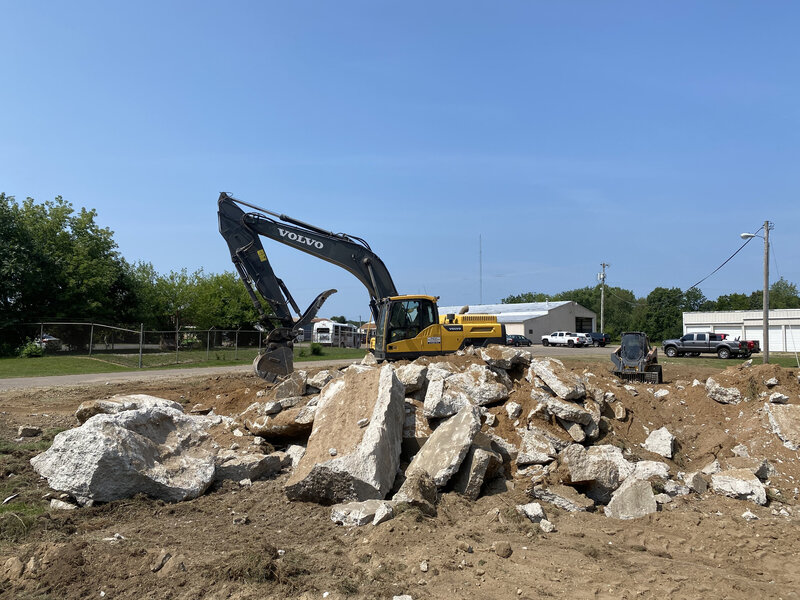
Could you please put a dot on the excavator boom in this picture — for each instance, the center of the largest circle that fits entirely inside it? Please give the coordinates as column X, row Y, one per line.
column 242, row 231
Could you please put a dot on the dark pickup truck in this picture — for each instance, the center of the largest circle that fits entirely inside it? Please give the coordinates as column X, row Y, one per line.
column 694, row 344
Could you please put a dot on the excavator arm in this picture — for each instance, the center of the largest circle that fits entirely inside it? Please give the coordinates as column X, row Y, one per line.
column 242, row 231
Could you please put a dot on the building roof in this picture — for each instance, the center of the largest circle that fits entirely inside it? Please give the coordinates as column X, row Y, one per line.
column 508, row 313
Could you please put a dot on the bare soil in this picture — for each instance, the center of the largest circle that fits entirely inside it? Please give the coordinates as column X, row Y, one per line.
column 696, row 546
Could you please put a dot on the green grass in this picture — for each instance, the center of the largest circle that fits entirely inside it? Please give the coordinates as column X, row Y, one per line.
column 112, row 363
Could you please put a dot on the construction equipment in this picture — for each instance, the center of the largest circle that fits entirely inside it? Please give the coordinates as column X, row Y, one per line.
column 406, row 327
column 635, row 360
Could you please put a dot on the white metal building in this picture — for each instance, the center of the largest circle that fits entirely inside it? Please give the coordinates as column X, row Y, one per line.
column 535, row 319
column 784, row 326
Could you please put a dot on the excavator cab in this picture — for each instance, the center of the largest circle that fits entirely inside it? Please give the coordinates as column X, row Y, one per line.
column 407, row 325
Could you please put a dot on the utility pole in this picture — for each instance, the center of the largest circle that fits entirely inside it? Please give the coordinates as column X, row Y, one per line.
column 480, row 268
column 765, row 332
column 602, row 277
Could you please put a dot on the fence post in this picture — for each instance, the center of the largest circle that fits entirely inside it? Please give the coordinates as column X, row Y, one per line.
column 236, row 346
column 41, row 334
column 91, row 337
column 208, row 343
column 141, row 342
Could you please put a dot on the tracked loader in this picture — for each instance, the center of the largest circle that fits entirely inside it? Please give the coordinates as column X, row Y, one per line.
column 635, row 360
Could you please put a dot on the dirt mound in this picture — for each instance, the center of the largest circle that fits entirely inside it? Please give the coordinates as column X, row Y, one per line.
column 249, row 541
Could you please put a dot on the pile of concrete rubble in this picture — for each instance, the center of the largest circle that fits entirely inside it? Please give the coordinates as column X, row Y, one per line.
column 372, row 440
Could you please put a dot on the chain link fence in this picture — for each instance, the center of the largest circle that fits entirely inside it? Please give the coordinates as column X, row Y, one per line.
column 144, row 348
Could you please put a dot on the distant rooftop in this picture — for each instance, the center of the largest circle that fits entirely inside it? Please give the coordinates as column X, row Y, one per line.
column 508, row 313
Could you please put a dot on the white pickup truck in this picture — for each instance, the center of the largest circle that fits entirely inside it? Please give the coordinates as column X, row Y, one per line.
column 566, row 338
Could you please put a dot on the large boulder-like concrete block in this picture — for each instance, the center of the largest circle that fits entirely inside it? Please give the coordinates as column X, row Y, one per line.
column 568, row 411
column 356, row 514
column 785, row 422
column 562, row 382
column 722, row 394
column 293, row 385
column 237, row 466
column 412, row 376
column 156, row 451
column 345, row 460
column 477, row 386
column 319, row 380
column 564, row 497
column 118, row 404
column 480, row 464
column 660, row 442
column 292, row 423
column 632, row 501
column 443, row 453
column 418, row 490
column 536, row 448
column 740, row 484
column 505, row 357
column 601, row 468
column 416, row 429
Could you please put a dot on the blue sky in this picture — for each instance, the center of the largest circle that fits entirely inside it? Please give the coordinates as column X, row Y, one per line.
column 646, row 135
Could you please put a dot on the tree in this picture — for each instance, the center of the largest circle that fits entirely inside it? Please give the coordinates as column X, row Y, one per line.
column 526, row 297
column 783, row 294
column 56, row 264
column 661, row 316
column 340, row 319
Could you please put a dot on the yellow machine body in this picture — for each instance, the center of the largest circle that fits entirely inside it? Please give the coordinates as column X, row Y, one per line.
column 410, row 326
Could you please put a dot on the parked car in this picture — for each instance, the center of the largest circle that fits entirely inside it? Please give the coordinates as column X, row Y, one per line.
column 48, row 342
column 694, row 344
column 565, row 338
column 599, row 339
column 517, row 340
column 586, row 339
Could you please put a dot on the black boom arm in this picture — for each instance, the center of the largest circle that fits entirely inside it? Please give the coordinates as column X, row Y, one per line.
column 241, row 231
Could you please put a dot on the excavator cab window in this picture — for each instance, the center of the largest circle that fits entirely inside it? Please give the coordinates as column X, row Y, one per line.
column 408, row 317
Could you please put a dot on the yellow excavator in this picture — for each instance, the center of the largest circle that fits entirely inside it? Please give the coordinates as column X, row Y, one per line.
column 406, row 327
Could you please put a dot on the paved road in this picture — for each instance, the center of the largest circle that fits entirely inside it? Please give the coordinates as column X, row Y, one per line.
column 88, row 378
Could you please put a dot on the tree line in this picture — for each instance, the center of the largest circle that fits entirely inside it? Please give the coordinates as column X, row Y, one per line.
column 660, row 313
column 58, row 264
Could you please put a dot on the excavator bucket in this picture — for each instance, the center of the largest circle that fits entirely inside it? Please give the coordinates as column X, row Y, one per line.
column 274, row 363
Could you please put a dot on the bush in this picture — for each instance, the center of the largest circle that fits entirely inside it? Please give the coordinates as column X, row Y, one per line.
column 30, row 350
column 316, row 349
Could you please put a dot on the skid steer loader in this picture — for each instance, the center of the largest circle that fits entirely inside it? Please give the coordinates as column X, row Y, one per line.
column 635, row 360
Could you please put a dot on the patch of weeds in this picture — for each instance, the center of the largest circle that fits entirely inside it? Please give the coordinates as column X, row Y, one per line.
column 347, row 586
column 752, row 388
column 35, row 445
column 591, row 552
column 15, row 526
column 252, row 567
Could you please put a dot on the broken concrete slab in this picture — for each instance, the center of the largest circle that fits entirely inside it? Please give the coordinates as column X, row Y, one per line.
column 237, row 466
column 533, row 511
column 564, row 497
column 416, row 429
column 696, row 482
column 412, row 376
column 562, row 382
column 443, row 453
column 632, row 501
column 740, row 484
column 366, row 458
column 568, row 411
column 536, row 448
column 477, row 386
column 293, row 385
column 778, row 398
column 660, row 442
column 722, row 394
column 356, row 514
column 505, row 357
column 156, row 451
column 118, row 404
column 785, row 422
column 320, row 379
column 480, row 464
column 600, row 468
column 293, row 423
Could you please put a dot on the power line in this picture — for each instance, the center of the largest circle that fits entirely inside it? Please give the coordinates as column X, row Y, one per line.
column 723, row 264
